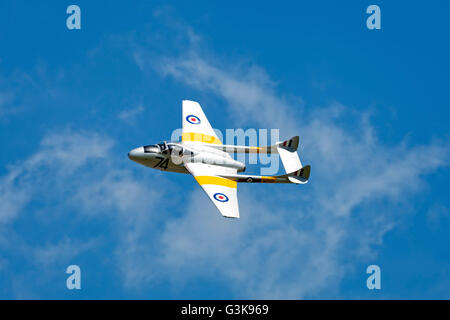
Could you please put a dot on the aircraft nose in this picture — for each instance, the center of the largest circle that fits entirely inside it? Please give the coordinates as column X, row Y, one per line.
column 136, row 153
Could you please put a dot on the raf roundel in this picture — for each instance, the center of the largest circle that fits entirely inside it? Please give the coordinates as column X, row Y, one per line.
column 220, row 197
column 193, row 119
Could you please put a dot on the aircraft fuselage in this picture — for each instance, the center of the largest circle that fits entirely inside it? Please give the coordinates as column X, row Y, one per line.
column 171, row 156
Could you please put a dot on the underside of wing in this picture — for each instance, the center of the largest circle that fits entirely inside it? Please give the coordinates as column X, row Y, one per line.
column 221, row 191
column 196, row 127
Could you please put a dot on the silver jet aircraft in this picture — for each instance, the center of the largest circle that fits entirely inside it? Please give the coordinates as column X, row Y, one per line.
column 202, row 154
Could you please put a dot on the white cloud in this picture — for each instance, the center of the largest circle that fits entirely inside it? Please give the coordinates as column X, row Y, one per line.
column 61, row 252
column 59, row 155
column 6, row 104
column 438, row 215
column 20, row 90
column 130, row 115
column 77, row 171
column 249, row 93
column 298, row 242
column 293, row 242
column 137, row 211
column 265, row 254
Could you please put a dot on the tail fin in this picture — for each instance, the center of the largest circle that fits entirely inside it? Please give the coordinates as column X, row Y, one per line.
column 296, row 172
column 291, row 144
column 300, row 176
column 288, row 154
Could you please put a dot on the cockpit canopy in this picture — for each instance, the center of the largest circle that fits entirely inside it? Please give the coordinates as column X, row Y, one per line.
column 161, row 147
column 153, row 148
column 167, row 148
column 156, row 148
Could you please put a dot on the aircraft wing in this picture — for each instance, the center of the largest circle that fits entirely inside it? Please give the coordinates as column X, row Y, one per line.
column 196, row 127
column 221, row 191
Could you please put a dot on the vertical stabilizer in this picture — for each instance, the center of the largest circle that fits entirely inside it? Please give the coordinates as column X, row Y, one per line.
column 289, row 156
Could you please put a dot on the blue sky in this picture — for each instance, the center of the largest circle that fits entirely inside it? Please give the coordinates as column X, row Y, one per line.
column 370, row 107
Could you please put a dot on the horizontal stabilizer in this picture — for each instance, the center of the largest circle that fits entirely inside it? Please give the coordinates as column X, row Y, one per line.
column 290, row 145
column 300, row 176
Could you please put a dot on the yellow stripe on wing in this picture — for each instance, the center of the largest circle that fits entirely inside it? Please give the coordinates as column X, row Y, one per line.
column 199, row 137
column 218, row 181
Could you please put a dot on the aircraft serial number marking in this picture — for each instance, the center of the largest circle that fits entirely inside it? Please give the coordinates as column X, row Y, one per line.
column 163, row 163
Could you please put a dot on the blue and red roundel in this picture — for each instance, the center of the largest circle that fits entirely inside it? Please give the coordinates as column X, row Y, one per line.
column 193, row 119
column 220, row 197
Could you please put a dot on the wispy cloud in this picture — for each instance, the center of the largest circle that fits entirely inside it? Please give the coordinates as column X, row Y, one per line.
column 19, row 90
column 76, row 174
column 130, row 115
column 295, row 243
column 58, row 157
column 248, row 90
column 62, row 252
column 291, row 242
column 298, row 243
column 7, row 106
column 438, row 215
